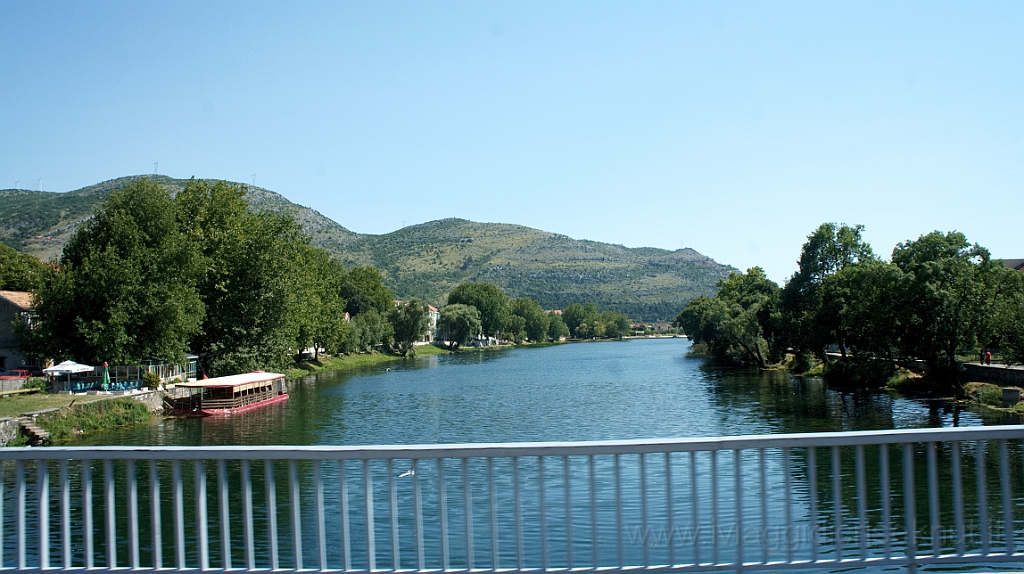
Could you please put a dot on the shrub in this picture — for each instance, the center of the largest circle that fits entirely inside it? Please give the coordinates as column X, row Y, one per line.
column 89, row 417
column 151, row 380
column 989, row 395
column 35, row 383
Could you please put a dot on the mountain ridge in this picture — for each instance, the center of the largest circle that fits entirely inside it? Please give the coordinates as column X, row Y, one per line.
column 426, row 260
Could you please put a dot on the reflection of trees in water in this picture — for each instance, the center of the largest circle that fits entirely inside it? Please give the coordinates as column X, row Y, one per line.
column 794, row 404
column 938, row 523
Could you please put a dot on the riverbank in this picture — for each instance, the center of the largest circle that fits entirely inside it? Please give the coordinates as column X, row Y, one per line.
column 345, row 362
column 17, row 405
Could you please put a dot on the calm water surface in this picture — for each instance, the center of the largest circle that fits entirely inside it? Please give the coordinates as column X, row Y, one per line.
column 613, row 390
column 646, row 388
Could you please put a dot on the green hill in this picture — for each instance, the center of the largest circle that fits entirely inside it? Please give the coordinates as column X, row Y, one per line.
column 427, row 260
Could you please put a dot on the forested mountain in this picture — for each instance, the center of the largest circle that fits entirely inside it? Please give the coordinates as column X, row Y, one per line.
column 427, row 260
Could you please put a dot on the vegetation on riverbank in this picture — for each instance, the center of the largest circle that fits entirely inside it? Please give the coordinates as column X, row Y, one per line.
column 17, row 405
column 356, row 360
column 939, row 299
column 67, row 423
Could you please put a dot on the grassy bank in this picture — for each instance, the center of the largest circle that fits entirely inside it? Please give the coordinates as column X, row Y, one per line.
column 17, row 405
column 81, row 419
column 345, row 362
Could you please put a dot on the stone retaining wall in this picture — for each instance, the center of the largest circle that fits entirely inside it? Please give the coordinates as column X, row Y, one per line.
column 8, row 430
column 995, row 373
column 152, row 399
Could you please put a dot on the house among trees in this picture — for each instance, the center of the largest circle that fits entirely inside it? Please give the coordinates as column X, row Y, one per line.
column 433, row 316
column 15, row 306
column 1017, row 264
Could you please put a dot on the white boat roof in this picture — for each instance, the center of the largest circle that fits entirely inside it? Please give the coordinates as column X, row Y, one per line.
column 233, row 380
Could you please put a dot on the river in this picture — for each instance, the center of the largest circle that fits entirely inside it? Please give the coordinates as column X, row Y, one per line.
column 643, row 388
column 650, row 388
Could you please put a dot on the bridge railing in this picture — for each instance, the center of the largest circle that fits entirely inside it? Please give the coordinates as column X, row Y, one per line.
column 822, row 500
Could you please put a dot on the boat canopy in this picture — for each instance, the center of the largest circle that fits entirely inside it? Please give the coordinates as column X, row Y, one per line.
column 232, row 381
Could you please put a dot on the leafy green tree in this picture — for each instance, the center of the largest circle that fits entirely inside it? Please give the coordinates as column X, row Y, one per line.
column 490, row 301
column 556, row 327
column 252, row 268
column 951, row 300
column 535, row 320
column 739, row 323
column 410, row 321
column 125, row 289
column 20, row 271
column 459, row 324
column 367, row 330
column 869, row 302
column 321, row 309
column 1008, row 322
column 363, row 290
column 830, row 248
column 515, row 328
column 616, row 325
column 573, row 316
column 580, row 319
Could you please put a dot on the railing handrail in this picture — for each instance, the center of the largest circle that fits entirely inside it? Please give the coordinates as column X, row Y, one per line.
column 629, row 446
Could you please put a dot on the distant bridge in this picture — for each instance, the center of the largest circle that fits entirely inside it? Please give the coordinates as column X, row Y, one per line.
column 817, row 500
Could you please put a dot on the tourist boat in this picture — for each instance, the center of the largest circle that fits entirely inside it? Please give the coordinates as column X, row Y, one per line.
column 229, row 395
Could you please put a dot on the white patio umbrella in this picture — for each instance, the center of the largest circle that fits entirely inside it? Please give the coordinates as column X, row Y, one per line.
column 68, row 368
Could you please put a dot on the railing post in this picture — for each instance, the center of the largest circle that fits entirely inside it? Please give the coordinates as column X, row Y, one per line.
column 65, row 515
column 108, row 471
column 155, row 523
column 296, row 508
column 202, row 523
column 371, row 549
column 43, row 511
column 133, row 513
column 20, row 526
column 909, row 505
column 225, row 516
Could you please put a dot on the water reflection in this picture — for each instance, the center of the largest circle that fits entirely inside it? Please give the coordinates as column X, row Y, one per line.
column 615, row 390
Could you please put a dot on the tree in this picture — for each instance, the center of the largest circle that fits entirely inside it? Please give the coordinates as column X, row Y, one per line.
column 951, row 300
column 1008, row 322
column 20, row 271
column 459, row 324
column 829, row 249
column 740, row 322
column 869, row 301
column 616, row 325
column 321, row 308
column 865, row 303
column 556, row 327
column 490, row 301
column 535, row 320
column 250, row 282
column 573, row 316
column 367, row 330
column 125, row 289
column 410, row 322
column 580, row 319
column 515, row 328
column 363, row 290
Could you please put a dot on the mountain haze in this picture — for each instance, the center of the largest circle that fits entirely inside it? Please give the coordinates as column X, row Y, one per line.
column 428, row 259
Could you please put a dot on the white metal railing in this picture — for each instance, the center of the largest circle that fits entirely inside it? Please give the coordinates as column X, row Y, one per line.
column 823, row 500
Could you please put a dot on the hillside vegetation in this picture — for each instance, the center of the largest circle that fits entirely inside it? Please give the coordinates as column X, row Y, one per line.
column 427, row 260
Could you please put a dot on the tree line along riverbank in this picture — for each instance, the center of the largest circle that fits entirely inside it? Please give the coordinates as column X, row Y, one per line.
column 856, row 319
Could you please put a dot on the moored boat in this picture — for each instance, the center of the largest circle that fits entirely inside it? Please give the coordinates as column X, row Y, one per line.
column 229, row 395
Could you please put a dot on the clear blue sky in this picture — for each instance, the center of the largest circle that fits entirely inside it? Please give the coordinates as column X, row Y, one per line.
column 734, row 128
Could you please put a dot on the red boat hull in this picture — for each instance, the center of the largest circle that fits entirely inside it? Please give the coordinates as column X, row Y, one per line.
column 232, row 411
